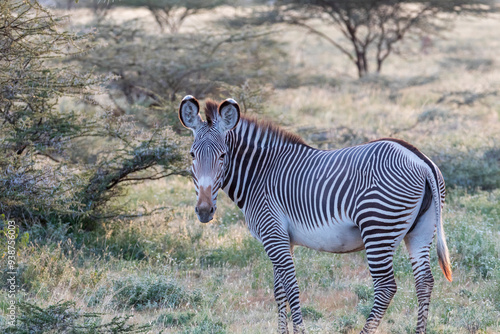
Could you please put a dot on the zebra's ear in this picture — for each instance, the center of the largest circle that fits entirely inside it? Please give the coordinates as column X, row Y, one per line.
column 229, row 111
column 189, row 113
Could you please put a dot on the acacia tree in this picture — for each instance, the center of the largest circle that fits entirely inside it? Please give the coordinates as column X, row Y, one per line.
column 170, row 14
column 373, row 28
column 155, row 70
column 38, row 178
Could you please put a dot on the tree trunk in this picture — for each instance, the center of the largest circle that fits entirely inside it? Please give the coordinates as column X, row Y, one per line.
column 379, row 65
column 361, row 64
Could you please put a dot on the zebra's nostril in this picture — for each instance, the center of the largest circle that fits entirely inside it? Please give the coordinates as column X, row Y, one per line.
column 196, row 209
column 212, row 210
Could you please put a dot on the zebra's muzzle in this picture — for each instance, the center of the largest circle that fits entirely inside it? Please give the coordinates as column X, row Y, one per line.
column 205, row 212
column 205, row 209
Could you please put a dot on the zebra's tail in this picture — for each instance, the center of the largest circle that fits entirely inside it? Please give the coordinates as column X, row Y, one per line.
column 442, row 252
column 437, row 185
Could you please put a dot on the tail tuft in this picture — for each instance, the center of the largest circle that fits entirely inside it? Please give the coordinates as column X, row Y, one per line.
column 443, row 255
column 446, row 268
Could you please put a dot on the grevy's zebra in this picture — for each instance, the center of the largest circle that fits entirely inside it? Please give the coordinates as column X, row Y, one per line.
column 370, row 197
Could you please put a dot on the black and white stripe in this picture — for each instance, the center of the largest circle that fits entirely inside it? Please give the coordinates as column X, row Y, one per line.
column 369, row 197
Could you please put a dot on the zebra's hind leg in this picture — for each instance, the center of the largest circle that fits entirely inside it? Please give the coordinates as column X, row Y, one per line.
column 424, row 282
column 418, row 243
column 384, row 289
column 280, row 297
column 379, row 253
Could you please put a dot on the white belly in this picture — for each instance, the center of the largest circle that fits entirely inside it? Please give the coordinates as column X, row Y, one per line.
column 340, row 237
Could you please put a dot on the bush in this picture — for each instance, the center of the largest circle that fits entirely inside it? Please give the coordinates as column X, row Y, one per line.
column 309, row 312
column 333, row 137
column 345, row 323
column 470, row 167
column 39, row 182
column 170, row 14
column 34, row 134
column 207, row 326
column 175, row 319
column 152, row 292
column 63, row 318
column 469, row 64
column 364, row 292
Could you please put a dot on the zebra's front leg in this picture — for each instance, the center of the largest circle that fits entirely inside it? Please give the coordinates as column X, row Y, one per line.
column 280, row 297
column 278, row 250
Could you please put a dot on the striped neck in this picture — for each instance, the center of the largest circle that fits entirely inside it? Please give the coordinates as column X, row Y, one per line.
column 252, row 147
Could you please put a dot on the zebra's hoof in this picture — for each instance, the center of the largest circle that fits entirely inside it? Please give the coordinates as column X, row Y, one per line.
column 299, row 329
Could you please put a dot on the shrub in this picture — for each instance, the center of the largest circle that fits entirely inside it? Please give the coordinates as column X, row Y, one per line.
column 152, row 292
column 470, row 167
column 175, row 319
column 364, row 292
column 333, row 137
column 39, row 182
column 63, row 318
column 432, row 114
column 309, row 312
column 207, row 326
column 470, row 64
column 34, row 134
column 345, row 323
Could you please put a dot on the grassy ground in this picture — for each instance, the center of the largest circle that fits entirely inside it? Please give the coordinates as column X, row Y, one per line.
column 180, row 276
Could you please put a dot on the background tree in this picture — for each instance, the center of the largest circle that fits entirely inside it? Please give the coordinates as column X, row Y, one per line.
column 154, row 71
column 170, row 14
column 371, row 29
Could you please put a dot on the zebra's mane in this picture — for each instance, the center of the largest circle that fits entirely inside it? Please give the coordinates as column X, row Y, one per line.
column 268, row 126
column 212, row 114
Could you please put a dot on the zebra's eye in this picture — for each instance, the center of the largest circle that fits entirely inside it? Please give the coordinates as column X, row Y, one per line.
column 192, row 155
column 222, row 156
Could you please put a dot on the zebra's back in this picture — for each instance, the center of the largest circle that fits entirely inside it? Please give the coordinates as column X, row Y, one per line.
column 324, row 196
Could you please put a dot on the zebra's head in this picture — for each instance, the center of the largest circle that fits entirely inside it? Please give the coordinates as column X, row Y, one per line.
column 209, row 148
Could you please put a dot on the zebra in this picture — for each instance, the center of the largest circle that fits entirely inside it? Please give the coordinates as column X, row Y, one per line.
column 371, row 196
